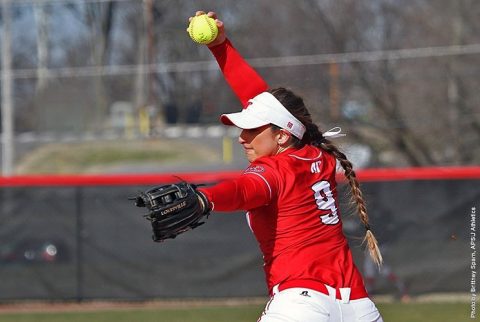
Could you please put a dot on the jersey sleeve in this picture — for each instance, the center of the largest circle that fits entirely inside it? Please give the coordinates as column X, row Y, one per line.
column 256, row 187
column 245, row 82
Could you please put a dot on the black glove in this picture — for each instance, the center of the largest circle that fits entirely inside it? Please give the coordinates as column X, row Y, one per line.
column 173, row 209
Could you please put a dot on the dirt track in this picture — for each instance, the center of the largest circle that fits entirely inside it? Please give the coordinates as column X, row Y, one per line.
column 42, row 306
column 85, row 306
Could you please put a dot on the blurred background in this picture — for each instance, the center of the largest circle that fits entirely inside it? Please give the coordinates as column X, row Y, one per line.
column 116, row 87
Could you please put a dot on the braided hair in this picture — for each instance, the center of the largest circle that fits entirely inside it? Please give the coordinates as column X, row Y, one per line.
column 313, row 136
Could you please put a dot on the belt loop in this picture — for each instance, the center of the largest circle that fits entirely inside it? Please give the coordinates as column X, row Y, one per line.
column 331, row 292
column 345, row 294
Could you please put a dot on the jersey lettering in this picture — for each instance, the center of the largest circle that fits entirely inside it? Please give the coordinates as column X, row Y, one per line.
column 324, row 199
column 315, row 167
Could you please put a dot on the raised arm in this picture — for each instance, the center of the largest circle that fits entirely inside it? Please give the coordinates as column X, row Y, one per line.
column 245, row 82
column 242, row 78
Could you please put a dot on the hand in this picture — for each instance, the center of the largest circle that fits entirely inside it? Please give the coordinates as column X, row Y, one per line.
column 221, row 28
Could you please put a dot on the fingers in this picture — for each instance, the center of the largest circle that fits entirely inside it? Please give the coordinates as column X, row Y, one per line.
column 211, row 14
column 198, row 13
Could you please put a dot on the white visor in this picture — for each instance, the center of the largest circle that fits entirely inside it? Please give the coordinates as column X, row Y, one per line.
column 265, row 109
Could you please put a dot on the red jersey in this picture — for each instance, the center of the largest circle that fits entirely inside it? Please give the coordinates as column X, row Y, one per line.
column 292, row 206
column 291, row 199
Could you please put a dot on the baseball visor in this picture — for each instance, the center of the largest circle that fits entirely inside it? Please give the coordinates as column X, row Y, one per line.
column 243, row 120
column 264, row 109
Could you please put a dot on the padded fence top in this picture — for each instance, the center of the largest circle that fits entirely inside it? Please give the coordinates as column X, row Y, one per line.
column 382, row 174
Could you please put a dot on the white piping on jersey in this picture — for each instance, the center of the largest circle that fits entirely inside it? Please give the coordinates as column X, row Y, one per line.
column 306, row 159
column 247, row 215
column 268, row 185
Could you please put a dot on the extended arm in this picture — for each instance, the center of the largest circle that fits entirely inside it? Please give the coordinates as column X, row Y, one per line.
column 245, row 82
column 244, row 193
column 242, row 78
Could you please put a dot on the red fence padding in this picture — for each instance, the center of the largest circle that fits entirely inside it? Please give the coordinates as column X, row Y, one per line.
column 115, row 180
column 384, row 174
column 428, row 173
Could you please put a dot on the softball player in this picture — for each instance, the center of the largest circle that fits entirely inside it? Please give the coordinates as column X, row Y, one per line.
column 290, row 195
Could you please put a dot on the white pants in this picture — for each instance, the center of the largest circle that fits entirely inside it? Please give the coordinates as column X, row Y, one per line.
column 306, row 305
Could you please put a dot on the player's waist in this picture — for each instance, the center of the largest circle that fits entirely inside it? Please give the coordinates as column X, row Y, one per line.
column 343, row 293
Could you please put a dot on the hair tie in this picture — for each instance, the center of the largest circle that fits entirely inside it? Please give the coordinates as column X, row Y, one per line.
column 333, row 133
column 367, row 227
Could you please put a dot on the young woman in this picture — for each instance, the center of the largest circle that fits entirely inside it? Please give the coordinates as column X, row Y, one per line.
column 290, row 193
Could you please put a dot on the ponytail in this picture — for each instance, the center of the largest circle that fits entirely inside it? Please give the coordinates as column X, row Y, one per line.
column 357, row 199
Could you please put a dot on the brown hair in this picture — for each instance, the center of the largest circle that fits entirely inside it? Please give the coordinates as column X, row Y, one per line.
column 313, row 136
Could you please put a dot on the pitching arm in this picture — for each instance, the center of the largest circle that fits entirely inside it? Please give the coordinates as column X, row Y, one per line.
column 245, row 82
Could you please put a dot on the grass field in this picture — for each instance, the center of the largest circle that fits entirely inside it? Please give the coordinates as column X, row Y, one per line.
column 99, row 156
column 392, row 312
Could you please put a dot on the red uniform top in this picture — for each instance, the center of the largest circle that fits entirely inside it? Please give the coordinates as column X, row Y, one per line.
column 291, row 199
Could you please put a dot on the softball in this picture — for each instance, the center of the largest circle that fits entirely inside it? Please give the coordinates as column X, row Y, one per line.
column 202, row 29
